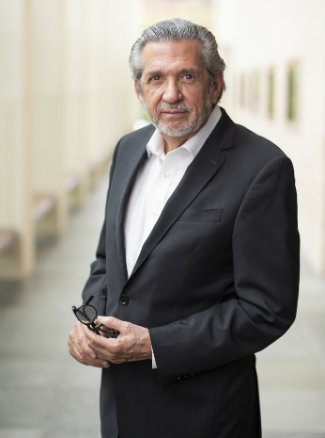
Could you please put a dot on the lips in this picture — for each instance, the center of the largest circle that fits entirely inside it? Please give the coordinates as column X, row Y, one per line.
column 175, row 110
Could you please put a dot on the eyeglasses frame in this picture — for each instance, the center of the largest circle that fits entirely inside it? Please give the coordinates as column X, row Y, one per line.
column 99, row 329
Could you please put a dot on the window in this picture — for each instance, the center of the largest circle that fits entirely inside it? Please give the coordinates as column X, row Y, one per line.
column 242, row 89
column 292, row 98
column 254, row 91
column 270, row 96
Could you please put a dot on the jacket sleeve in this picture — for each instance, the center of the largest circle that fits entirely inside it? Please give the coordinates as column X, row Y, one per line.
column 96, row 283
column 263, row 304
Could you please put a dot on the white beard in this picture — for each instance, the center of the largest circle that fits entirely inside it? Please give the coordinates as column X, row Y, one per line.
column 189, row 127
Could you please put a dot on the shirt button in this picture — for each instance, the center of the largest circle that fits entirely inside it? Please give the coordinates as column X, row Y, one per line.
column 124, row 299
column 167, row 174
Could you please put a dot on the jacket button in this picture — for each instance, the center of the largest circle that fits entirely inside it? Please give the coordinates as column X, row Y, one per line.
column 124, row 299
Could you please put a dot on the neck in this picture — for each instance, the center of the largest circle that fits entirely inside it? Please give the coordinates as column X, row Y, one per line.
column 172, row 143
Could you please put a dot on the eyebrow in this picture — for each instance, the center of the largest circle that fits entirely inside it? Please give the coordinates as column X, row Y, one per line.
column 190, row 70
column 152, row 73
column 181, row 72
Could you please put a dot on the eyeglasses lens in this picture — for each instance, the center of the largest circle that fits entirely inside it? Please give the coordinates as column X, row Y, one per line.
column 86, row 314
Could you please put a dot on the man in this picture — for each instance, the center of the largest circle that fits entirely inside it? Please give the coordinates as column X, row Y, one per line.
column 198, row 259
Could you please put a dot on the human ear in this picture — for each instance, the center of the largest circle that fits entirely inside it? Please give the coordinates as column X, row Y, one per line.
column 217, row 87
column 137, row 89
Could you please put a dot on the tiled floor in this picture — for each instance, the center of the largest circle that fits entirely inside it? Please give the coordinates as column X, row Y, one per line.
column 45, row 394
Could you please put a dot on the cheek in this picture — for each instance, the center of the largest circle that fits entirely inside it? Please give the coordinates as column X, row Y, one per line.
column 196, row 99
column 151, row 101
column 196, row 104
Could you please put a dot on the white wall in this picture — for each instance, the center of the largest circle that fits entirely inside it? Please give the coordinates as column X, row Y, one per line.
column 255, row 35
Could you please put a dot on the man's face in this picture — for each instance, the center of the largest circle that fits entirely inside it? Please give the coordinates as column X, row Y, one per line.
column 176, row 90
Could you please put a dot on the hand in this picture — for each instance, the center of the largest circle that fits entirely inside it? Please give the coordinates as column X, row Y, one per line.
column 132, row 344
column 80, row 349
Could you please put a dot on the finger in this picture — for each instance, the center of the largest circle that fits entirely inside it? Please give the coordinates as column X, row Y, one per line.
column 101, row 345
column 105, row 348
column 90, row 361
column 94, row 340
column 83, row 357
column 80, row 348
column 114, row 323
column 98, row 362
column 81, row 341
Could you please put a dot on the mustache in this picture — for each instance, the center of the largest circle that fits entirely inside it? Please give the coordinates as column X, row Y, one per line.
column 165, row 107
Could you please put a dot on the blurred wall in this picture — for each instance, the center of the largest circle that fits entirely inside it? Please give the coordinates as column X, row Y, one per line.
column 274, row 53
column 65, row 98
column 198, row 11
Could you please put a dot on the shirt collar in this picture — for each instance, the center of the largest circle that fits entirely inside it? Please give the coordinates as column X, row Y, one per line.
column 193, row 145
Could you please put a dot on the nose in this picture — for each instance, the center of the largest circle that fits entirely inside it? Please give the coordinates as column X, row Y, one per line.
column 172, row 92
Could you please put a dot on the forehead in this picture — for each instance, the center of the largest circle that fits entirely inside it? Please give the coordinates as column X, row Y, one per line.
column 166, row 54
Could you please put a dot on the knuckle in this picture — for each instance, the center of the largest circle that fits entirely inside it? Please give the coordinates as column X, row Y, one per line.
column 108, row 320
column 115, row 348
column 83, row 355
column 127, row 325
column 92, row 343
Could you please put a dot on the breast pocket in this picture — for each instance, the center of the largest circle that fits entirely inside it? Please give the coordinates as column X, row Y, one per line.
column 206, row 215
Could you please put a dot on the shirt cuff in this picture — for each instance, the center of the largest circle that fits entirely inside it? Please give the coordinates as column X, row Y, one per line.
column 153, row 360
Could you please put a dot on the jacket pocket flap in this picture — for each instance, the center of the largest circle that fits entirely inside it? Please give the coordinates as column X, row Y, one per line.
column 207, row 215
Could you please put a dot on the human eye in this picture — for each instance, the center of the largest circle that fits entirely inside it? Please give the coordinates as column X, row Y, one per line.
column 188, row 76
column 154, row 78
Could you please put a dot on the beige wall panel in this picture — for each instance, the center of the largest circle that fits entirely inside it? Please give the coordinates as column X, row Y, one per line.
column 100, row 79
column 47, row 154
column 75, row 65
column 46, row 46
column 17, row 260
column 113, row 101
column 96, row 80
column 13, row 189
column 13, row 171
column 126, row 28
column 47, row 96
column 74, row 142
column 46, row 79
column 11, row 49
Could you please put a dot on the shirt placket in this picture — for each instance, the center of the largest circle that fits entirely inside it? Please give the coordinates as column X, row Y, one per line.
column 162, row 188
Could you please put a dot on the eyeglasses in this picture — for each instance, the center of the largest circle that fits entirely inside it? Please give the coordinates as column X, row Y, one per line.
column 87, row 315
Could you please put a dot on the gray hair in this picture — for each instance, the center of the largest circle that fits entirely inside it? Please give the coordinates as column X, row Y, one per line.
column 175, row 30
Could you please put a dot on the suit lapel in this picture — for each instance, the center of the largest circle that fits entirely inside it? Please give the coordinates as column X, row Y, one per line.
column 131, row 164
column 205, row 165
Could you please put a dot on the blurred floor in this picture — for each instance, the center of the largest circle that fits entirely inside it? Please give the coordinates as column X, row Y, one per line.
column 46, row 394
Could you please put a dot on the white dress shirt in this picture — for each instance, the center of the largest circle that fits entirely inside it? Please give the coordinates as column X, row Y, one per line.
column 155, row 183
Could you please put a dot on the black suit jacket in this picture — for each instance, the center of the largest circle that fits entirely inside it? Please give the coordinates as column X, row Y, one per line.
column 215, row 282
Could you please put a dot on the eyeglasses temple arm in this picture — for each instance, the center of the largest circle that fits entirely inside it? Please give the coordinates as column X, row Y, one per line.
column 89, row 300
